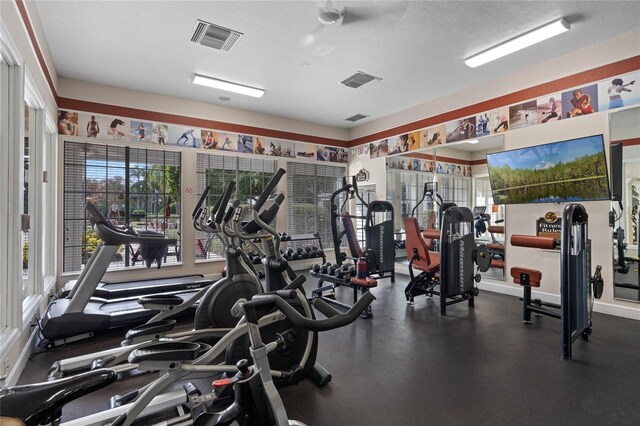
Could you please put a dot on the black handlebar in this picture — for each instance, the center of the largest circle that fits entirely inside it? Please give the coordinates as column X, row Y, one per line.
column 198, row 209
column 271, row 186
column 336, row 319
column 223, row 201
column 229, row 214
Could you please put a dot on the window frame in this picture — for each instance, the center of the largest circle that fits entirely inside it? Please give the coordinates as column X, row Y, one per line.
column 124, row 145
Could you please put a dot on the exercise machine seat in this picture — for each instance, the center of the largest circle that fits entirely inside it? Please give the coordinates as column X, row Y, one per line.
column 364, row 282
column 534, row 276
column 350, row 232
column 427, row 261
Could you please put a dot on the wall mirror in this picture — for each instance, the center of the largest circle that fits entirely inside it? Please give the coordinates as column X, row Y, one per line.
column 462, row 178
column 625, row 129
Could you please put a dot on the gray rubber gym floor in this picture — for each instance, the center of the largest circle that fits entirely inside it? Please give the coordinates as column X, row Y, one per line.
column 410, row 366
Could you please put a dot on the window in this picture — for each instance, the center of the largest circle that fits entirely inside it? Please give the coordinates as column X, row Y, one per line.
column 129, row 185
column 27, row 203
column 4, row 189
column 48, row 207
column 251, row 176
column 309, row 189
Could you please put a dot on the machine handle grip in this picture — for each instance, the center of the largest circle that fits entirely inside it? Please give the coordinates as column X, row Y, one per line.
column 336, row 321
column 228, row 214
column 545, row 243
column 224, row 200
column 198, row 209
column 271, row 186
column 324, row 308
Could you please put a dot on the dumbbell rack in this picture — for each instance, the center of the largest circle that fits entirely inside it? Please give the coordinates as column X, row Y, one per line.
column 308, row 237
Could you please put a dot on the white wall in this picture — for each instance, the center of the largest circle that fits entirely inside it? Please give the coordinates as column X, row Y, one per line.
column 15, row 341
column 93, row 92
column 605, row 52
column 520, row 219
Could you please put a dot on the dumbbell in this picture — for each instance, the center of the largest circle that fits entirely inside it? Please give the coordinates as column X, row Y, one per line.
column 324, row 268
column 331, row 270
column 320, row 253
column 302, row 253
column 315, row 268
column 286, row 256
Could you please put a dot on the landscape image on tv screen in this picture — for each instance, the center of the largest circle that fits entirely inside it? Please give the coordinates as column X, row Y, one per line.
column 568, row 171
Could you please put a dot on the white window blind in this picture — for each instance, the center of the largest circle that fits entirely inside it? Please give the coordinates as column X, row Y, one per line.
column 149, row 200
column 251, row 176
column 309, row 189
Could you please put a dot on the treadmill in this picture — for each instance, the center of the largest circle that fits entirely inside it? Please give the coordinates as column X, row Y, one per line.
column 112, row 290
column 78, row 316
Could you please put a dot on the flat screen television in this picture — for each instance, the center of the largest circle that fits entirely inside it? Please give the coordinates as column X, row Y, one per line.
column 568, row 171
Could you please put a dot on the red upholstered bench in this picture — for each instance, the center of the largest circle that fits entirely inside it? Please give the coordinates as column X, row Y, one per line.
column 364, row 282
column 534, row 276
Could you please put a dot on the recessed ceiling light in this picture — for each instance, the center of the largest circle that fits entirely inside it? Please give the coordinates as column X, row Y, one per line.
column 525, row 40
column 224, row 98
column 473, row 141
column 304, row 65
column 228, row 86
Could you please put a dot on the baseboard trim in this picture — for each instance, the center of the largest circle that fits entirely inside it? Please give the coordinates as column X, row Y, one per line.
column 487, row 284
column 21, row 362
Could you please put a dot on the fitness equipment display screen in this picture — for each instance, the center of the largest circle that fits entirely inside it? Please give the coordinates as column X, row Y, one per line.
column 567, row 171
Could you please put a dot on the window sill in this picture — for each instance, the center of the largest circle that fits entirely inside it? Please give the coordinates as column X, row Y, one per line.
column 30, row 306
column 220, row 259
column 49, row 285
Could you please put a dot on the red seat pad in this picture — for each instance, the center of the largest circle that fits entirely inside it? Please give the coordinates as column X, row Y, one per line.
column 534, row 276
column 427, row 261
column 364, row 282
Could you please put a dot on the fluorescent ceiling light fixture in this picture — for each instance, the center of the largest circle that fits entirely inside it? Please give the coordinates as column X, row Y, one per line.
column 227, row 85
column 525, row 40
column 473, row 141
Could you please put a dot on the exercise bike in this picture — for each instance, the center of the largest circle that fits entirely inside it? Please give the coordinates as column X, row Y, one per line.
column 256, row 400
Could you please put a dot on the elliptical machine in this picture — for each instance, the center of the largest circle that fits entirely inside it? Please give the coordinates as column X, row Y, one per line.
column 289, row 366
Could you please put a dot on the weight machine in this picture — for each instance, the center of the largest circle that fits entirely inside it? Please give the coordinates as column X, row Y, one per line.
column 379, row 250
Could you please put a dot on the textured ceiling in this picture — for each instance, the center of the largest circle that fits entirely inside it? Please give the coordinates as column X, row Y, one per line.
column 416, row 47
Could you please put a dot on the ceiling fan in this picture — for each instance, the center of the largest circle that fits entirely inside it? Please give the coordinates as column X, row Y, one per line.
column 330, row 15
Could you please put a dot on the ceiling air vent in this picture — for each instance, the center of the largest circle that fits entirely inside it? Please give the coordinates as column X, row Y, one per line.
column 210, row 35
column 359, row 79
column 356, row 117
